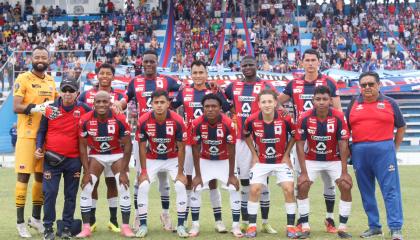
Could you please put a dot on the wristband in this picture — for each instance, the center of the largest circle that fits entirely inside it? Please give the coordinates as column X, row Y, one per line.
column 28, row 109
column 143, row 171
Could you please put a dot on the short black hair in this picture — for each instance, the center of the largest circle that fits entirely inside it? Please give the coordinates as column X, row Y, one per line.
column 311, row 52
column 41, row 48
column 268, row 92
column 106, row 65
column 152, row 52
column 249, row 57
column 372, row 74
column 159, row 93
column 211, row 96
column 198, row 63
column 322, row 90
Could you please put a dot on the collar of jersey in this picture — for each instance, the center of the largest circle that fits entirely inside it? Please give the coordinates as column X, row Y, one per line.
column 219, row 119
column 95, row 115
column 380, row 98
column 329, row 112
column 260, row 116
column 168, row 114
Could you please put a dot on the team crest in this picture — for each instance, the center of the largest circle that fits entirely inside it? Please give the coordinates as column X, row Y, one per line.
column 76, row 114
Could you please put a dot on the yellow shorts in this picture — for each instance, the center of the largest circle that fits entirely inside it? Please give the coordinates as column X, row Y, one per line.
column 25, row 161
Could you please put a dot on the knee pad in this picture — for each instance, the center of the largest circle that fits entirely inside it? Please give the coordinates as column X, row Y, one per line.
column 37, row 195
column 20, row 194
column 163, row 183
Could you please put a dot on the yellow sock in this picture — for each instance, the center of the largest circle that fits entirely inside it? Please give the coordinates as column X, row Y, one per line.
column 37, row 196
column 20, row 194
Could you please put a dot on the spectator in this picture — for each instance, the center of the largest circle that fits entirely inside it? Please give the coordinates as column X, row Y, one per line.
column 13, row 134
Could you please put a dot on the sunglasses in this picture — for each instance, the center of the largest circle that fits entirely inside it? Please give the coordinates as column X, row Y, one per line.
column 70, row 90
column 365, row 85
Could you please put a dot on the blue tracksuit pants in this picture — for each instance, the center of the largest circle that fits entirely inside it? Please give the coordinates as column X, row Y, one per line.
column 378, row 160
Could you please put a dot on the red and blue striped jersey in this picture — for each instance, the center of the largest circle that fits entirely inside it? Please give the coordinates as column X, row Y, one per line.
column 301, row 92
column 322, row 136
column 244, row 96
column 141, row 89
column 89, row 96
column 161, row 136
column 103, row 136
column 270, row 138
column 190, row 98
column 213, row 138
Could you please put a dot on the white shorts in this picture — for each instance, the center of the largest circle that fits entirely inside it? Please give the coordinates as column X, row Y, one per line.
column 154, row 166
column 107, row 160
column 189, row 161
column 243, row 158
column 330, row 168
column 261, row 171
column 215, row 169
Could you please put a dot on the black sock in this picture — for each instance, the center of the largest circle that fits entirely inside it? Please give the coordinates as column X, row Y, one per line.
column 36, row 211
column 186, row 213
column 291, row 219
column 20, row 214
column 113, row 214
column 217, row 212
column 252, row 218
column 265, row 208
column 92, row 216
column 343, row 220
column 329, row 203
column 87, row 217
column 125, row 218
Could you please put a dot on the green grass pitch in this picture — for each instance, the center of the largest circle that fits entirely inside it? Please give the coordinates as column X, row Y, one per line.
column 410, row 185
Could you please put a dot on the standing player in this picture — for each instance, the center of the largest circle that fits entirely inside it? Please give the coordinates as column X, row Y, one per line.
column 164, row 132
column 270, row 156
column 244, row 95
column 33, row 91
column 107, row 135
column 106, row 74
column 300, row 92
column 325, row 131
column 190, row 98
column 141, row 89
column 213, row 148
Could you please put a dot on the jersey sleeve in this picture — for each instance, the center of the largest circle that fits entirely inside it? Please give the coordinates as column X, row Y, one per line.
column 225, row 103
column 173, row 84
column 181, row 131
column 302, row 129
column 131, row 91
column 269, row 85
column 288, row 89
column 230, row 133
column 398, row 116
column 332, row 84
column 178, row 101
column 342, row 128
column 121, row 96
column 229, row 92
column 141, row 134
column 248, row 127
column 83, row 128
column 196, row 133
column 19, row 87
column 290, row 126
column 124, row 128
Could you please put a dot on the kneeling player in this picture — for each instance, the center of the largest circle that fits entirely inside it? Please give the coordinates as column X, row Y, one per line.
column 214, row 158
column 104, row 132
column 270, row 131
column 165, row 133
column 324, row 129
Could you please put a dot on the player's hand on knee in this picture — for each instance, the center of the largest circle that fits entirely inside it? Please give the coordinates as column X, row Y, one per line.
column 143, row 177
column 39, row 153
column 182, row 178
column 87, row 178
column 303, row 180
column 124, row 180
column 233, row 181
column 345, row 181
column 196, row 182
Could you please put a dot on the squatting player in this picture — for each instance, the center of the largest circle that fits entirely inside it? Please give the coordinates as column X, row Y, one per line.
column 213, row 148
column 324, row 130
column 300, row 91
column 268, row 135
column 161, row 134
column 105, row 74
column 107, row 135
column 141, row 89
column 244, row 95
column 33, row 91
column 190, row 99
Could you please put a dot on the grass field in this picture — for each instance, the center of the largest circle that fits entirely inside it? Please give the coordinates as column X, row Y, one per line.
column 357, row 222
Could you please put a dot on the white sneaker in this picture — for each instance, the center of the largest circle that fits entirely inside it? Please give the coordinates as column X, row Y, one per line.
column 23, row 230
column 236, row 231
column 36, row 224
column 195, row 230
column 220, row 227
column 166, row 222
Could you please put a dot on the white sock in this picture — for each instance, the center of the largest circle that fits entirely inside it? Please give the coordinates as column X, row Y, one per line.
column 113, row 202
column 215, row 198
column 344, row 210
column 252, row 210
column 303, row 208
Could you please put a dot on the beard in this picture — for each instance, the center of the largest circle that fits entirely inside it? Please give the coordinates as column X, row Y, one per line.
column 39, row 67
